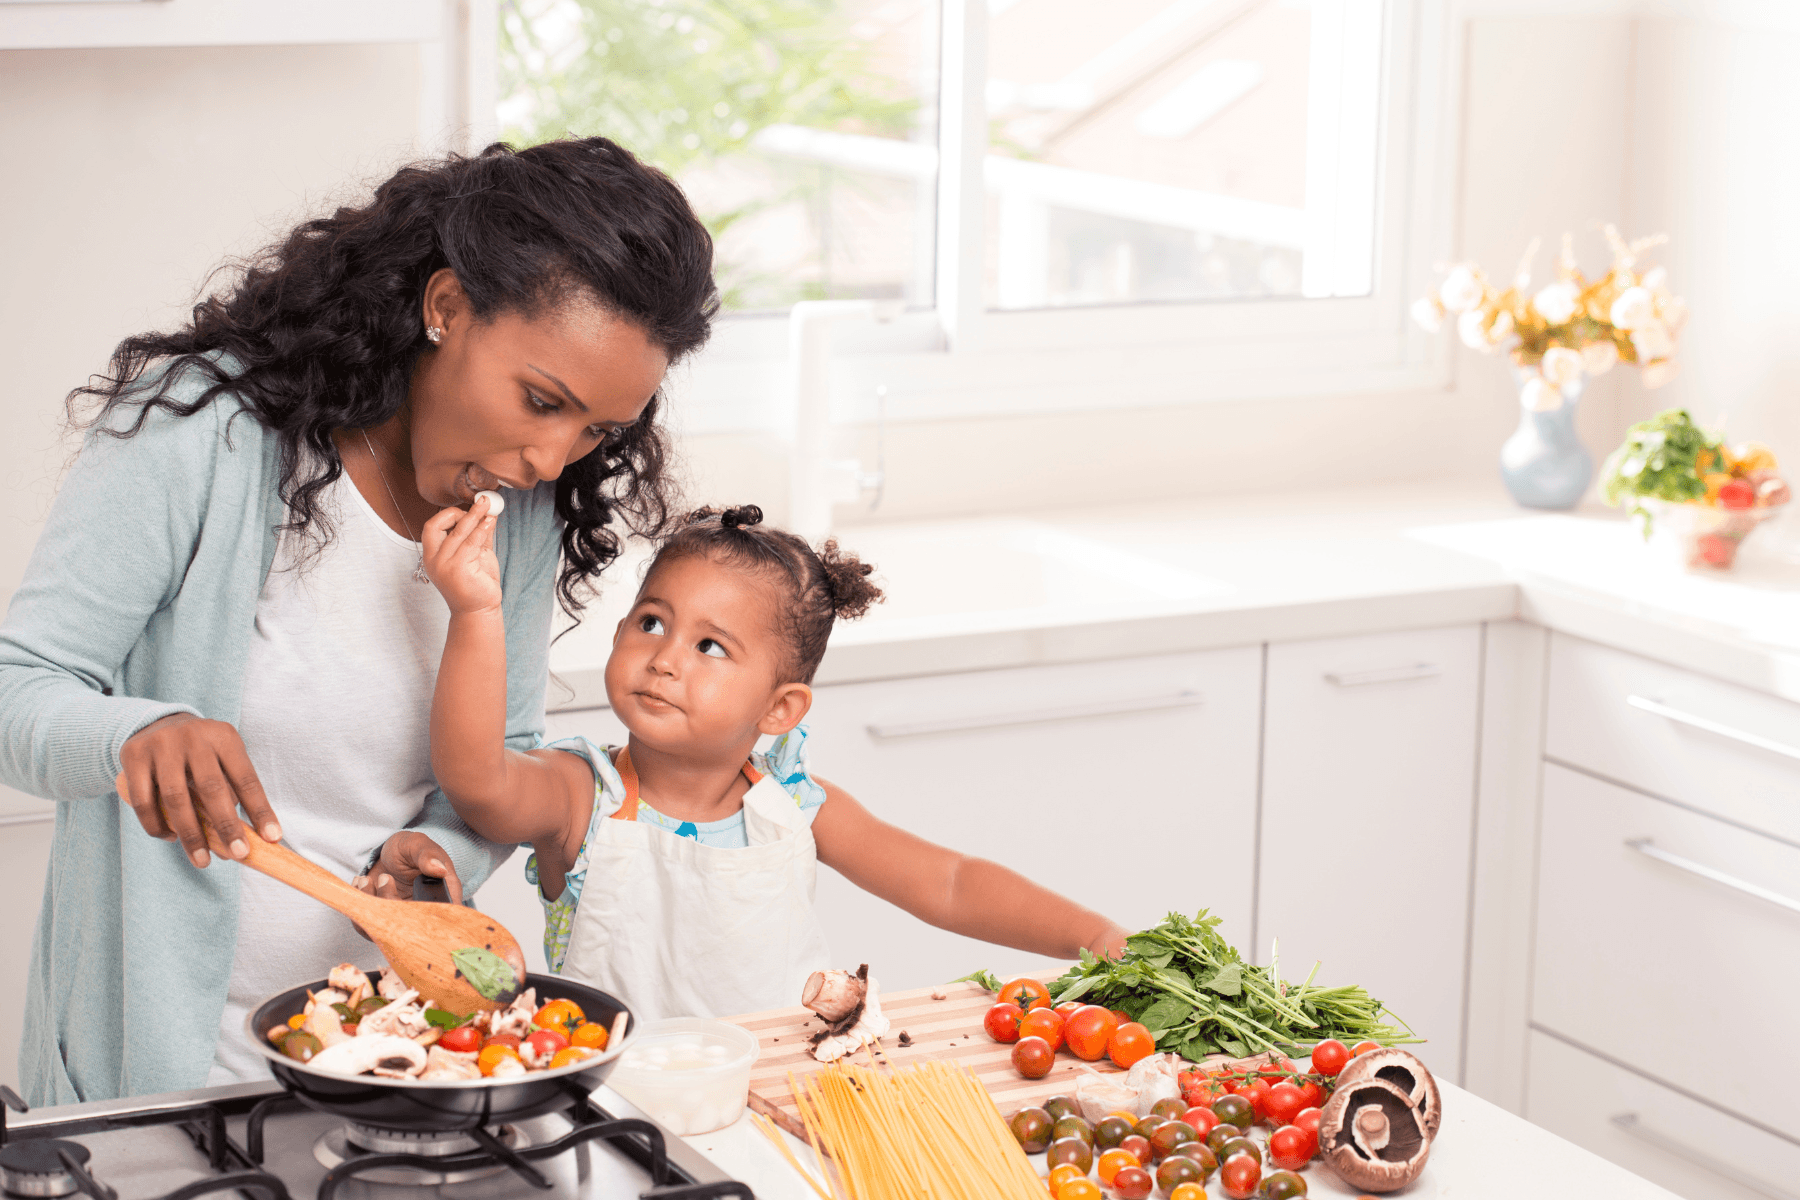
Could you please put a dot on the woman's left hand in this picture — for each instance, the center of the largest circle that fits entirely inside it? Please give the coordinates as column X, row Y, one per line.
column 458, row 549
column 404, row 857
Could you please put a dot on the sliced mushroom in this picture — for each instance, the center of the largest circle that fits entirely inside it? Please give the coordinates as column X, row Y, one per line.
column 837, row 996
column 1372, row 1135
column 1405, row 1072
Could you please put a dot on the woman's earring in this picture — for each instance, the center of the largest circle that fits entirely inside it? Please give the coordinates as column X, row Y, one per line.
column 434, row 335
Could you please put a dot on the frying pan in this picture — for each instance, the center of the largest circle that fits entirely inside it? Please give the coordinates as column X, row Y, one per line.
column 437, row 1106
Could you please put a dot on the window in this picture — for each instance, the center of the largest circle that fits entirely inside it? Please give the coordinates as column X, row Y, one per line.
column 1142, row 202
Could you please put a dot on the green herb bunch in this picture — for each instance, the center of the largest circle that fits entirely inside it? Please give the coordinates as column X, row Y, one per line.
column 1197, row 996
column 1664, row 458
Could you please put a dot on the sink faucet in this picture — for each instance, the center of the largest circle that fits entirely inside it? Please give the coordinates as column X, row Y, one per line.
column 816, row 482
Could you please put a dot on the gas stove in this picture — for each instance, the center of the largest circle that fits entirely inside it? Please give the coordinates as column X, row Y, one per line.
column 259, row 1141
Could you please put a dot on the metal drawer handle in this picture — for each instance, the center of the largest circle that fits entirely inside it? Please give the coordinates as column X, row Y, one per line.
column 1384, row 675
column 1725, row 731
column 1075, row 712
column 1650, row 849
column 1628, row 1122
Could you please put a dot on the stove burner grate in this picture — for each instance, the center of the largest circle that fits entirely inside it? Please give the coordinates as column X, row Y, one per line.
column 351, row 1143
column 36, row 1168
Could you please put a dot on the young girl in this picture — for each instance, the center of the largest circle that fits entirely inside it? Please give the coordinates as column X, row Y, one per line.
column 677, row 871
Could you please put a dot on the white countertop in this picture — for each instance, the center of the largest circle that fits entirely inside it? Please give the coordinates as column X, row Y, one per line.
column 1097, row 583
column 1482, row 1152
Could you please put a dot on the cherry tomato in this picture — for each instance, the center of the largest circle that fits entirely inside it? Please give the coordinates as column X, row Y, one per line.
column 1242, row 1145
column 1113, row 1161
column 1200, row 1087
column 1032, row 1127
column 1149, row 1125
column 560, row 1015
column 1363, row 1048
column 301, row 1045
column 1188, row 1191
column 1129, row 1043
column 1308, row 1120
column 1170, row 1137
column 589, row 1035
column 1257, row 1093
column 1061, row 1106
column 1120, row 1014
column 1132, row 1183
column 1032, row 1057
column 1072, row 1127
column 1067, row 1007
column 492, row 1055
column 1329, row 1056
column 1202, row 1119
column 1002, row 1022
column 1312, row 1095
column 1176, row 1170
column 1026, row 993
column 1079, row 1189
column 1283, row 1185
column 1111, row 1132
column 510, row 1040
column 1284, row 1103
column 1222, row 1133
column 544, row 1044
column 1060, row 1175
column 1240, row 1177
column 1276, row 1067
column 1070, row 1150
column 1168, row 1108
column 1043, row 1023
column 1138, row 1146
column 1290, row 1147
column 1737, row 493
column 1234, row 1110
column 464, row 1039
column 1088, row 1029
column 570, row 1054
column 1201, row 1153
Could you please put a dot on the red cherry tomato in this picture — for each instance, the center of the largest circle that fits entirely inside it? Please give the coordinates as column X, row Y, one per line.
column 1043, row 1023
column 545, row 1043
column 1088, row 1030
column 1329, row 1056
column 1290, row 1147
column 1132, row 1183
column 1363, row 1048
column 1002, row 1022
column 1276, row 1067
column 1033, row 1057
column 1202, row 1118
column 501, row 1039
column 1138, row 1146
column 1026, row 993
column 1737, row 493
column 1308, row 1122
column 464, row 1039
column 1257, row 1093
column 1129, row 1043
column 1240, row 1176
column 1067, row 1007
column 1284, row 1103
column 1200, row 1087
column 1312, row 1095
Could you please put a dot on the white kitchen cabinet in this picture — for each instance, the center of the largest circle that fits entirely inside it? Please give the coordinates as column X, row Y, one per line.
column 1128, row 785
column 25, row 834
column 1367, row 821
column 1650, row 951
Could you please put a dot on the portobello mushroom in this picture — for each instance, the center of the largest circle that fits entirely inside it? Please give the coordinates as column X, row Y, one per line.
column 1372, row 1135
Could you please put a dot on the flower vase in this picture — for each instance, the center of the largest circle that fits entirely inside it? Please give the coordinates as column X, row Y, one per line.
column 1544, row 464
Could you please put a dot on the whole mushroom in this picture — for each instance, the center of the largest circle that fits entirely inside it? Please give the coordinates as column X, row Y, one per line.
column 1405, row 1072
column 1372, row 1135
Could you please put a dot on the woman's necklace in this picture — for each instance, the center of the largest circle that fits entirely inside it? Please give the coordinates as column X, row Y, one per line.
column 418, row 571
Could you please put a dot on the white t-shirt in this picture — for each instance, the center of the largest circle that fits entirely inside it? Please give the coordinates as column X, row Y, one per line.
column 336, row 718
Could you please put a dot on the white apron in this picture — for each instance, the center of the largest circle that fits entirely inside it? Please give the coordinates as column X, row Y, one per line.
column 677, row 929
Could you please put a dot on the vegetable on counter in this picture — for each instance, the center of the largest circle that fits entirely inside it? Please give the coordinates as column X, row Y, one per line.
column 1671, row 460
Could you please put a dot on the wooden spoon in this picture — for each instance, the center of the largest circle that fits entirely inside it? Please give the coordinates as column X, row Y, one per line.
column 417, row 936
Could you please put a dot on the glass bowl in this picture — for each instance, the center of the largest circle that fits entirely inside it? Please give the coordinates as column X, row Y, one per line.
column 689, row 1074
column 1703, row 537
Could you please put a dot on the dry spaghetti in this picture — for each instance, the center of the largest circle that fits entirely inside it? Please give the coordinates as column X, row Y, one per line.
column 929, row 1131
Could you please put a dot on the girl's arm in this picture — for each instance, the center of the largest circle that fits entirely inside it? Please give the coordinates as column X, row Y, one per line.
column 539, row 796
column 970, row 896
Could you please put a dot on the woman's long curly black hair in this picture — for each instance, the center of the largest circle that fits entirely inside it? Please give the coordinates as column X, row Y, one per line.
column 326, row 324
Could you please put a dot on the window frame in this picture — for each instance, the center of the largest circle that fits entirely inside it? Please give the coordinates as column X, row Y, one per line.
column 962, row 359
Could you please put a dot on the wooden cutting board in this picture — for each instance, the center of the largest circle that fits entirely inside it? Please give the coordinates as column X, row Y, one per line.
column 947, row 1030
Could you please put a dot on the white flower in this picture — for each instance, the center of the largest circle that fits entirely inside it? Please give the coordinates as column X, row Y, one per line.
column 1461, row 290
column 1562, row 367
column 1428, row 313
column 1656, row 279
column 1673, row 312
column 1556, row 303
column 1597, row 358
column 1652, row 341
column 1538, row 396
column 1634, row 307
column 1502, row 326
column 1658, row 373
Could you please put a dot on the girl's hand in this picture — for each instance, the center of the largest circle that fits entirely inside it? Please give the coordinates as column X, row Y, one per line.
column 459, row 557
column 183, row 767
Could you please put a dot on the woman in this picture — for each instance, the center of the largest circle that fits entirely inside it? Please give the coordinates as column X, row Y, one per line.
column 225, row 610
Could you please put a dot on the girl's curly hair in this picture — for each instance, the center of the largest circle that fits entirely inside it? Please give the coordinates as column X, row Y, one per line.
column 325, row 324
column 823, row 586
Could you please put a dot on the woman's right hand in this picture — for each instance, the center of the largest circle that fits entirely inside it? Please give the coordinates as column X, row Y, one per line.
column 183, row 766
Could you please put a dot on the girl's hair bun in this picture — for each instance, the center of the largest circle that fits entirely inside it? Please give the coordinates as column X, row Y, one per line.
column 847, row 577
column 741, row 517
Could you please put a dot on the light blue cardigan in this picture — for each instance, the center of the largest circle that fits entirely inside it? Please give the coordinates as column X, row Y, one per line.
column 139, row 601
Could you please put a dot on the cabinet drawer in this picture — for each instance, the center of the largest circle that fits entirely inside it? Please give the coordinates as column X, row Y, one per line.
column 1658, row 966
column 1128, row 786
column 1690, row 1148
column 25, row 838
column 1715, row 745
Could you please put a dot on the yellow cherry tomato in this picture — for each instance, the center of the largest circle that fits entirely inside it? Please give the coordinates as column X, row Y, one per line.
column 567, row 1055
column 560, row 1015
column 493, row 1056
column 297, row 1020
column 1061, row 1174
column 1188, row 1191
column 1113, row 1161
column 1079, row 1189
column 1131, row 1118
column 589, row 1035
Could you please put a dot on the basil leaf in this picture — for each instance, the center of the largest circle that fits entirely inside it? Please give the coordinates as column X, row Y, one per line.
column 1228, row 980
column 445, row 1020
column 1165, row 1015
column 986, row 979
column 488, row 973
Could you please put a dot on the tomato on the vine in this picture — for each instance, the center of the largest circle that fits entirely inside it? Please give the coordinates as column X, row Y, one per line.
column 1329, row 1056
column 1199, row 1087
column 1284, row 1102
column 1044, row 1023
column 1307, row 1119
column 1362, row 1048
column 1026, row 993
column 1291, row 1147
column 1257, row 1093
column 1129, row 1043
column 1087, row 1030
column 1311, row 1094
column 1002, row 1022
